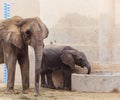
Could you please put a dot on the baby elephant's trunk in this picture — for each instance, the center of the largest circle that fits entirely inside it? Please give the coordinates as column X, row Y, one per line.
column 88, row 68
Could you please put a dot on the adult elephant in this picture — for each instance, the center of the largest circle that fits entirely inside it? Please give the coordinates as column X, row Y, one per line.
column 16, row 34
column 62, row 57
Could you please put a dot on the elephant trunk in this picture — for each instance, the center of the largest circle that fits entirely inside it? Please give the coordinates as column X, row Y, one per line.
column 88, row 68
column 38, row 58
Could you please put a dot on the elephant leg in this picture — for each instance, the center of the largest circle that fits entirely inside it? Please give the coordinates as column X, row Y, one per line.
column 10, row 61
column 23, row 61
column 49, row 80
column 67, row 78
column 11, row 66
column 43, row 81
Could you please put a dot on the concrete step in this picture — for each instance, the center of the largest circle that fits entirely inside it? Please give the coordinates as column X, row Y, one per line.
column 96, row 82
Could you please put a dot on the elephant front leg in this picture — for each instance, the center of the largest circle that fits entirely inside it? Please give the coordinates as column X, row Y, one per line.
column 67, row 78
column 11, row 66
column 24, row 66
column 49, row 80
column 11, row 80
column 43, row 81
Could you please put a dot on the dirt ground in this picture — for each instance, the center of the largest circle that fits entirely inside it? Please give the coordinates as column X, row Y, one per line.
column 53, row 94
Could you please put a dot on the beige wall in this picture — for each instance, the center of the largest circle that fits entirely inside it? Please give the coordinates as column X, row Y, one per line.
column 72, row 22
column 116, row 39
column 91, row 26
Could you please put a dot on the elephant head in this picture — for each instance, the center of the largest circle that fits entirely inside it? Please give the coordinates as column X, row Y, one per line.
column 22, row 32
column 72, row 57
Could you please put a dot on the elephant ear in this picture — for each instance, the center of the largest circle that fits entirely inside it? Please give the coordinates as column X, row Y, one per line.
column 26, row 26
column 67, row 58
column 43, row 28
column 9, row 32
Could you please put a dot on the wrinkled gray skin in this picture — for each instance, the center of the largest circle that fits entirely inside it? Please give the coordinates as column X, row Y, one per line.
column 65, row 58
column 16, row 34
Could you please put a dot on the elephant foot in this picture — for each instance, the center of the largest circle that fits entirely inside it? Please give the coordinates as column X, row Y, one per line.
column 36, row 93
column 10, row 92
column 44, row 85
column 26, row 91
column 66, row 88
column 59, row 88
column 26, row 86
column 51, row 87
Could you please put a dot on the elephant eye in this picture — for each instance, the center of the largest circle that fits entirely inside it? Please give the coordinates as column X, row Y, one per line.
column 28, row 33
column 78, row 58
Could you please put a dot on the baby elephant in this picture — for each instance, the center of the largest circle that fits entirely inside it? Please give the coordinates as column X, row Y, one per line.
column 65, row 58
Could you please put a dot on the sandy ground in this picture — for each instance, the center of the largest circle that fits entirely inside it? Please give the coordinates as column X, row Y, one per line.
column 50, row 94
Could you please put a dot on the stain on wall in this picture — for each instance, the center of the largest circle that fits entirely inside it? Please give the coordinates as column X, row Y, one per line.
column 78, row 31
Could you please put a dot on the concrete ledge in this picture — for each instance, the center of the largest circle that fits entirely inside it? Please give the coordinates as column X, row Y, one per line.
column 96, row 82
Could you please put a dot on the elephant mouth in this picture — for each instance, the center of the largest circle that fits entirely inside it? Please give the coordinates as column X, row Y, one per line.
column 82, row 66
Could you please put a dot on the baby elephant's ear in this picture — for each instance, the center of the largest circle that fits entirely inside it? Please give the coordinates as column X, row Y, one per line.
column 9, row 32
column 67, row 59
